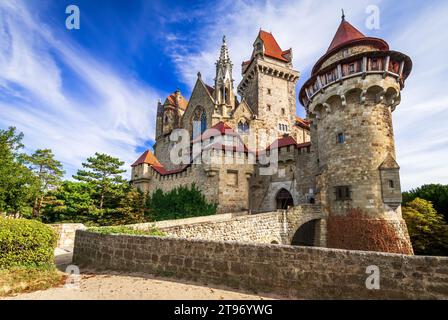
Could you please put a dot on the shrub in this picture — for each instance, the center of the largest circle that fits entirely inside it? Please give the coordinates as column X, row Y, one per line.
column 26, row 243
column 179, row 203
column 127, row 230
column 427, row 229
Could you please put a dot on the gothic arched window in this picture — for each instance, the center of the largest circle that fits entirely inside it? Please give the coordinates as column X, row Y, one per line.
column 243, row 127
column 199, row 120
column 203, row 122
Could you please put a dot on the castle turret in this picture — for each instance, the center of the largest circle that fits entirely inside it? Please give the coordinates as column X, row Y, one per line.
column 223, row 93
column 269, row 85
column 169, row 115
column 353, row 90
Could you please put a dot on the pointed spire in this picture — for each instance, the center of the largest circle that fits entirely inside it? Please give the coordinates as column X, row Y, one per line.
column 224, row 55
column 345, row 33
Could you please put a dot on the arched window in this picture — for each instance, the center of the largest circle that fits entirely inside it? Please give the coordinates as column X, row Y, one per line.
column 243, row 127
column 203, row 122
column 199, row 121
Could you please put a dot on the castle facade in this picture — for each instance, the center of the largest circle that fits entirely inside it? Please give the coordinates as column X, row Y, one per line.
column 254, row 154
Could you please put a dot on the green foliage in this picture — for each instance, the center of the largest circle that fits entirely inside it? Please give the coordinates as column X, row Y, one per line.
column 26, row 243
column 181, row 202
column 72, row 202
column 127, row 230
column 436, row 193
column 427, row 228
column 104, row 175
column 48, row 172
column 18, row 185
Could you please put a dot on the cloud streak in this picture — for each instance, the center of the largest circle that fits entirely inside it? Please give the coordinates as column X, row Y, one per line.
column 109, row 114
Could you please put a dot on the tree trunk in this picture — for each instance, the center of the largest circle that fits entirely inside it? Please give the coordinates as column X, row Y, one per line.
column 35, row 208
column 101, row 200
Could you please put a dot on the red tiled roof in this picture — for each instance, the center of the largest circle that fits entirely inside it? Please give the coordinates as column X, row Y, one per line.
column 221, row 126
column 283, row 142
column 271, row 47
column 210, row 89
column 348, row 35
column 302, row 122
column 171, row 100
column 147, row 157
column 345, row 33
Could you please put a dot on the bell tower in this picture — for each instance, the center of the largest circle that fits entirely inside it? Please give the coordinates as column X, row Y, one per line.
column 224, row 95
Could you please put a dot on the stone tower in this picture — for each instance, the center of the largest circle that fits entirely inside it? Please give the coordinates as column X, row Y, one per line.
column 169, row 115
column 268, row 84
column 353, row 90
column 223, row 94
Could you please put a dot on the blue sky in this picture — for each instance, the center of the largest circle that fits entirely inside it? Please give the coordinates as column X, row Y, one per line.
column 96, row 89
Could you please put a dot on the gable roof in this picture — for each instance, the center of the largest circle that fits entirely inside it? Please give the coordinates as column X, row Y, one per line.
column 389, row 163
column 147, row 157
column 271, row 47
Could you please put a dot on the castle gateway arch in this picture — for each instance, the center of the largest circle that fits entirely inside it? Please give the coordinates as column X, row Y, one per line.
column 284, row 199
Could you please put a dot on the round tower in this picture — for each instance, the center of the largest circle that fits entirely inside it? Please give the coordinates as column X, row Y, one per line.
column 351, row 94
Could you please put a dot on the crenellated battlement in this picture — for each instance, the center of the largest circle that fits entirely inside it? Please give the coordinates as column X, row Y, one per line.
column 361, row 67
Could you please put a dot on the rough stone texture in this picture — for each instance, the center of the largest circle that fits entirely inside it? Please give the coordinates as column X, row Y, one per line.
column 278, row 226
column 297, row 272
column 66, row 233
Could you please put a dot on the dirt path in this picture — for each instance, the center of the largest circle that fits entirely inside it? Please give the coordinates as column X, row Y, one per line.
column 135, row 287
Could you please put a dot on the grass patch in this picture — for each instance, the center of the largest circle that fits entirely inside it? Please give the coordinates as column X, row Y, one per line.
column 127, row 230
column 25, row 279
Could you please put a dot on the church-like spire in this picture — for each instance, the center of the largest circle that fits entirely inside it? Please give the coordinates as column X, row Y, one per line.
column 224, row 78
column 224, row 55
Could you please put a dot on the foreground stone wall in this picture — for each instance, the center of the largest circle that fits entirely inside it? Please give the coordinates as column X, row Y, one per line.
column 297, row 272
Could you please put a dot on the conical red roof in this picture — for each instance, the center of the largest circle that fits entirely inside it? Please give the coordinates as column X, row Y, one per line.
column 148, row 158
column 345, row 33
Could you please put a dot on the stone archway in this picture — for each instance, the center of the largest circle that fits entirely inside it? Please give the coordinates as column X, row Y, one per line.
column 307, row 234
column 284, row 199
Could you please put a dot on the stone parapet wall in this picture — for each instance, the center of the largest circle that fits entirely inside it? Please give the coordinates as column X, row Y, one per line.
column 296, row 272
column 259, row 228
column 66, row 233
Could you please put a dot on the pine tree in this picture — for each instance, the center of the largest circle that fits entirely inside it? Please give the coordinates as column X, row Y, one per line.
column 49, row 173
column 103, row 173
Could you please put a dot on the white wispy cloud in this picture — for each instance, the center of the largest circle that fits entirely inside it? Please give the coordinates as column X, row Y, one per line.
column 115, row 115
column 308, row 27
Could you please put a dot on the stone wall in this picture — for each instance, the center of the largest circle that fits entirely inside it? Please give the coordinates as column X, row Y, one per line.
column 66, row 233
column 277, row 226
column 296, row 272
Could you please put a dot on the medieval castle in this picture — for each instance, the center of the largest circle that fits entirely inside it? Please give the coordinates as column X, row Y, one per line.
column 340, row 159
